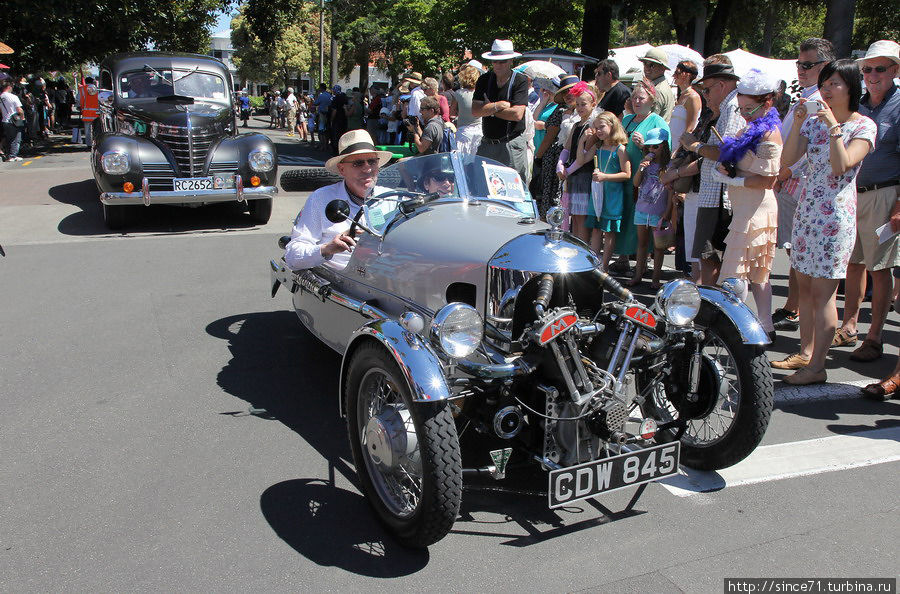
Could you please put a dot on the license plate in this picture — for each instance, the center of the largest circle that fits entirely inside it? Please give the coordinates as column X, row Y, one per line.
column 590, row 479
column 188, row 184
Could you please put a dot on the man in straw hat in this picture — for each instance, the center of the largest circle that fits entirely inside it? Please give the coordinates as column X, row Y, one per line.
column 416, row 94
column 501, row 98
column 315, row 240
column 877, row 203
column 656, row 62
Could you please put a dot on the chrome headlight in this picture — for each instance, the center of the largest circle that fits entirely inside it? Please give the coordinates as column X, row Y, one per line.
column 261, row 161
column 114, row 163
column 457, row 330
column 679, row 301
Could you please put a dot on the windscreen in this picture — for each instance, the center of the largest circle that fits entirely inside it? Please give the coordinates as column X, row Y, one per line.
column 149, row 84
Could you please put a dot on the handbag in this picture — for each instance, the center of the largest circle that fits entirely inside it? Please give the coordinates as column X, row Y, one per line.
column 16, row 119
column 682, row 158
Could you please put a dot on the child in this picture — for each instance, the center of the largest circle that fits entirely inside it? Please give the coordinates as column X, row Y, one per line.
column 652, row 202
column 612, row 167
column 578, row 177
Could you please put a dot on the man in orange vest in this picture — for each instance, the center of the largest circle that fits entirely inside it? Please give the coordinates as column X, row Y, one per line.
column 89, row 103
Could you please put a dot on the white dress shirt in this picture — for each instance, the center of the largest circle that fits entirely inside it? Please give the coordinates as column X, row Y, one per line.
column 416, row 96
column 312, row 230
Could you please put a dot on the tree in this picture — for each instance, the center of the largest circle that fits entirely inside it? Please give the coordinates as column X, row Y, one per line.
column 290, row 54
column 839, row 25
column 53, row 35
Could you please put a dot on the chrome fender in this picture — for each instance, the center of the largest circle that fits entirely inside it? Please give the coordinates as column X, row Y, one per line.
column 741, row 316
column 418, row 362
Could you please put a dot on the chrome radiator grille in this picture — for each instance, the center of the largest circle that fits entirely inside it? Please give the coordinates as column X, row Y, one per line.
column 189, row 145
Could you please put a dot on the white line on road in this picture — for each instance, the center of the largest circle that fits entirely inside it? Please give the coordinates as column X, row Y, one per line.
column 788, row 460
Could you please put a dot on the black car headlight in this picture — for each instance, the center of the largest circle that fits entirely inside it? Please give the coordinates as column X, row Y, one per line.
column 114, row 163
column 679, row 301
column 261, row 161
column 457, row 330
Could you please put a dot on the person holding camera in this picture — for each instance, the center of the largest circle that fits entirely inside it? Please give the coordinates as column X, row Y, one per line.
column 427, row 140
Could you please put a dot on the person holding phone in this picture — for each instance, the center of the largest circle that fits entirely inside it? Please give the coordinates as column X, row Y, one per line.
column 835, row 140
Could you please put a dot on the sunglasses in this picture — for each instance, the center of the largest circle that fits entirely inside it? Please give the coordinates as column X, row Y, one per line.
column 441, row 177
column 360, row 162
column 809, row 65
column 737, row 109
column 878, row 69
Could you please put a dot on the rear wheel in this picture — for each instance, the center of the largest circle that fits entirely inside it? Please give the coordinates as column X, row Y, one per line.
column 736, row 401
column 406, row 454
column 115, row 216
column 260, row 210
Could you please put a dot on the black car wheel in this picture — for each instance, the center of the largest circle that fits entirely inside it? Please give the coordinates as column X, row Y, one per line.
column 260, row 210
column 406, row 454
column 307, row 178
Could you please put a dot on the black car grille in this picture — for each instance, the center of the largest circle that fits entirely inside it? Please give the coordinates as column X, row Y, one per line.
column 160, row 175
column 189, row 146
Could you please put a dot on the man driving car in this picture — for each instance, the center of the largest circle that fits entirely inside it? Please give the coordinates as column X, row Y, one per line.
column 315, row 240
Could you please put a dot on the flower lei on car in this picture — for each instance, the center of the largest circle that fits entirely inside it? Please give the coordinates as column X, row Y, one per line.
column 733, row 149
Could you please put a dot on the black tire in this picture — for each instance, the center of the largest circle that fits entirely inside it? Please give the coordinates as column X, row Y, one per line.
column 307, row 178
column 749, row 418
column 115, row 216
column 260, row 210
column 428, row 519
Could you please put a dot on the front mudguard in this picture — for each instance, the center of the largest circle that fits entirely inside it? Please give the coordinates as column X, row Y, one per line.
column 416, row 359
column 722, row 303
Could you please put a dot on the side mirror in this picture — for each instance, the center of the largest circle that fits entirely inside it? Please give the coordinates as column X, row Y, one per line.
column 337, row 211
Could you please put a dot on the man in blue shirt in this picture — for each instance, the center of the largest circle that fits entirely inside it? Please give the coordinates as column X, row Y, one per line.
column 877, row 199
column 322, row 103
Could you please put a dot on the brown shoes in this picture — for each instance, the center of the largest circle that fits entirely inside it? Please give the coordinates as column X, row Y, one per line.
column 869, row 350
column 806, row 376
column 795, row 361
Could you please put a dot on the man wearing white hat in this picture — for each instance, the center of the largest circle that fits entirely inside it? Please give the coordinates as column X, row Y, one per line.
column 501, row 98
column 878, row 200
column 315, row 240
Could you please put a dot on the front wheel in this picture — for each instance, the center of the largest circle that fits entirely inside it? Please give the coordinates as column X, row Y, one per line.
column 736, row 397
column 406, row 454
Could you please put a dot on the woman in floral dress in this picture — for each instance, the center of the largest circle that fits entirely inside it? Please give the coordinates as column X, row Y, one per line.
column 835, row 139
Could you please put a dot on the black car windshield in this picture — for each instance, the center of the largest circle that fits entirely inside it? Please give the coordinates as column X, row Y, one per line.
column 449, row 177
column 152, row 83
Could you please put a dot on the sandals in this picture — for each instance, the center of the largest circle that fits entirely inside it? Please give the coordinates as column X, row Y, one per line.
column 843, row 338
column 869, row 350
column 883, row 390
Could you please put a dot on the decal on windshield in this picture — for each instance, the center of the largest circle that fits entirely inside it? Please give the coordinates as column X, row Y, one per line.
column 503, row 182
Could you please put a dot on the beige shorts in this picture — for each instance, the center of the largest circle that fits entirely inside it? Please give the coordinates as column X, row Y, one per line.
column 873, row 209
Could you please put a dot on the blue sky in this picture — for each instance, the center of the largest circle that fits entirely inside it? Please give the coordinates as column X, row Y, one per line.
column 224, row 22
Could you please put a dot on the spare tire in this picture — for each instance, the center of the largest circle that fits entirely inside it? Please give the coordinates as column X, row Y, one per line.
column 307, row 178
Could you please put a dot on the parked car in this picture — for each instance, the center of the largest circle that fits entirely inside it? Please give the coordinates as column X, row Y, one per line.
column 167, row 134
column 461, row 316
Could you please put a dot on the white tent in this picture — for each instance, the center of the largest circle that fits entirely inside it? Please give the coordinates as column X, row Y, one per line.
column 629, row 57
column 743, row 61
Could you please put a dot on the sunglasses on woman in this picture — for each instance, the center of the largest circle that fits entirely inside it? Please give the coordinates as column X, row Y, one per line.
column 809, row 65
column 878, row 69
column 737, row 109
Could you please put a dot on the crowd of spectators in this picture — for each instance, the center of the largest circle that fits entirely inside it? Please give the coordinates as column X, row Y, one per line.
column 32, row 109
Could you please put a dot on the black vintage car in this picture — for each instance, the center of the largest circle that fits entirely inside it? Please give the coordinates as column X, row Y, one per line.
column 167, row 134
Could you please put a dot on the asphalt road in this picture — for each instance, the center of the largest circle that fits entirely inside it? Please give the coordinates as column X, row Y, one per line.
column 130, row 459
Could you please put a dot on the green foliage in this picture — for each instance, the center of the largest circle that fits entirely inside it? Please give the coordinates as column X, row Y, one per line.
column 875, row 19
column 289, row 54
column 793, row 22
column 257, row 102
column 49, row 34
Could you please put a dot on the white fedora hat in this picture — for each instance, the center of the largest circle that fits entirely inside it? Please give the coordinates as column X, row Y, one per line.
column 502, row 49
column 356, row 142
column 883, row 49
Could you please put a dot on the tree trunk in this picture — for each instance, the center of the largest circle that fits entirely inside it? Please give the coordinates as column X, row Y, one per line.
column 765, row 48
column 595, row 32
column 839, row 25
column 718, row 23
column 682, row 22
column 334, row 62
column 700, row 27
column 362, row 59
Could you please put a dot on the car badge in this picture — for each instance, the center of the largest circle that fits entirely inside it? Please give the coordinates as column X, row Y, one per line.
column 500, row 458
column 556, row 327
column 642, row 316
column 361, row 270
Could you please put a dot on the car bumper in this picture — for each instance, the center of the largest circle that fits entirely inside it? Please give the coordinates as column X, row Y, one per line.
column 147, row 197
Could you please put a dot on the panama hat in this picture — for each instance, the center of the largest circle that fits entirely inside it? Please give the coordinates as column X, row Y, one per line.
column 413, row 77
column 477, row 65
column 656, row 55
column 757, row 82
column 356, row 142
column 502, row 49
column 566, row 82
column 883, row 48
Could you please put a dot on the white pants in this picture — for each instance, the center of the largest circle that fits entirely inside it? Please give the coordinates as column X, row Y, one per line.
column 468, row 138
column 691, row 200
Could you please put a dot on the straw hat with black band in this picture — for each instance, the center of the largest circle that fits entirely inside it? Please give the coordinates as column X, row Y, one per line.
column 414, row 78
column 566, row 82
column 356, row 142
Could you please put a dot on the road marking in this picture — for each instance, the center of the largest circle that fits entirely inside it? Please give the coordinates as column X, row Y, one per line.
column 798, row 458
column 40, row 157
column 26, row 163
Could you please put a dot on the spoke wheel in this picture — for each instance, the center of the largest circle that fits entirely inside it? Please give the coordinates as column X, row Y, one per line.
column 406, row 454
column 737, row 397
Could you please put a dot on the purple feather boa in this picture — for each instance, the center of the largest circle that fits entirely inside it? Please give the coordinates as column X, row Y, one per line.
column 733, row 149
